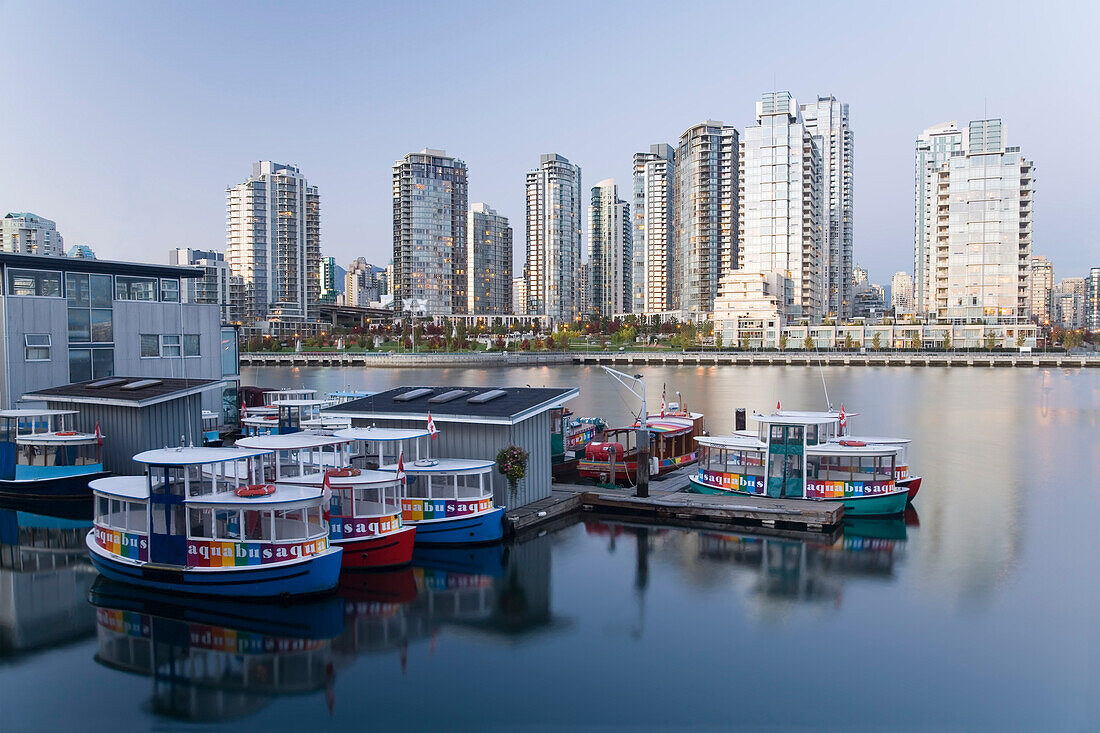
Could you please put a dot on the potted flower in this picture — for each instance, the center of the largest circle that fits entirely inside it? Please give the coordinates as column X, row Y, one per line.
column 512, row 463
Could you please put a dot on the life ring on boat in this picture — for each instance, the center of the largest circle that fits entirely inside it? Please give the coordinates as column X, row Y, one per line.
column 853, row 443
column 342, row 472
column 251, row 492
column 271, row 417
column 66, row 433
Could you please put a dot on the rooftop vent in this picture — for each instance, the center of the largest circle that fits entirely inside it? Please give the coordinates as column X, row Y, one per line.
column 105, row 383
column 140, row 384
column 412, row 395
column 484, row 397
column 454, row 394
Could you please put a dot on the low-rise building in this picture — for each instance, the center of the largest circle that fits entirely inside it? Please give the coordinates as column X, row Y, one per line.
column 751, row 307
column 67, row 320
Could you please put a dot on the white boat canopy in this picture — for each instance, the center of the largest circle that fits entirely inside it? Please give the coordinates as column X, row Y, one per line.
column 381, row 434
column 194, row 455
column 27, row 412
column 454, row 466
column 124, row 487
column 282, row 495
column 290, row 441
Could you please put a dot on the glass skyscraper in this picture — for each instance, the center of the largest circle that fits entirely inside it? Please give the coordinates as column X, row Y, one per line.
column 429, row 233
column 653, row 228
column 554, row 238
column 490, row 262
column 933, row 148
column 610, row 251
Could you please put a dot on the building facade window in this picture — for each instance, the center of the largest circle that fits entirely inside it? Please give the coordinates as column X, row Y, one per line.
column 150, row 346
column 40, row 283
column 136, row 288
column 169, row 290
column 168, row 345
column 37, row 346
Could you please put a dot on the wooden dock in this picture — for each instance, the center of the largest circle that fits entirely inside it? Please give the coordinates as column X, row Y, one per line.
column 668, row 502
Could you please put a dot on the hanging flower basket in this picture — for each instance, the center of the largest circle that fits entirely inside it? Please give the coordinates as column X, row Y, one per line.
column 512, row 463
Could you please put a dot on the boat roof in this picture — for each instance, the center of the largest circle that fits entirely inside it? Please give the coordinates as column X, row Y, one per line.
column 876, row 440
column 796, row 418
column 731, row 441
column 444, row 465
column 290, row 441
column 55, row 438
column 283, row 494
column 667, row 426
column 126, row 487
column 298, row 403
column 34, row 412
column 836, row 449
column 833, row 414
column 267, row 392
column 351, row 394
column 195, row 455
column 365, row 476
column 262, row 410
column 381, row 434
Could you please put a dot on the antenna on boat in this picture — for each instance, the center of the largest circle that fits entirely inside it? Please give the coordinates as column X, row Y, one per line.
column 828, row 402
column 631, row 383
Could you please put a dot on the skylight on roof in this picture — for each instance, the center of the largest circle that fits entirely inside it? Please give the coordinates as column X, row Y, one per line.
column 140, row 384
column 412, row 395
column 106, row 383
column 454, row 394
column 484, row 397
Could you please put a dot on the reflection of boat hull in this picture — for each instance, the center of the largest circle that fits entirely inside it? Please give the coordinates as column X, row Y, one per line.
column 486, row 560
column 911, row 484
column 884, row 528
column 43, row 492
column 861, row 506
column 385, row 586
column 311, row 619
column 468, row 530
column 388, row 550
column 312, row 575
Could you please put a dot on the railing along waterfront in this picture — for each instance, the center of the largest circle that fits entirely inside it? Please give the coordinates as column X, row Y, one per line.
column 960, row 358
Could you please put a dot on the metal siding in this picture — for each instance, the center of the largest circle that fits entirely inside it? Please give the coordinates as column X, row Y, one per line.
column 484, row 441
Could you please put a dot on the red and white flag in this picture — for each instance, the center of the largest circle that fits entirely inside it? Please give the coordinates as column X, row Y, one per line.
column 401, row 465
column 843, row 420
column 98, row 435
column 778, row 406
column 244, row 410
column 326, row 497
column 662, row 400
column 432, row 429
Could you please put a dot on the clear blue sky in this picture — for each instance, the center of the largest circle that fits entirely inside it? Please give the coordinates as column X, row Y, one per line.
column 125, row 122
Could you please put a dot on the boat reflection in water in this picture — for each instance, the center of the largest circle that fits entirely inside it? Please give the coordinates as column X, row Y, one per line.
column 44, row 580
column 216, row 660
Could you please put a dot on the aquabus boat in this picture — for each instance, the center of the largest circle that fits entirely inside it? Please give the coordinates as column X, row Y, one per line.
column 199, row 522
column 799, row 456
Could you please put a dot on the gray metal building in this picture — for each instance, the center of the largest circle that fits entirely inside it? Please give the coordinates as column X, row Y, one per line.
column 479, row 429
column 134, row 414
column 66, row 320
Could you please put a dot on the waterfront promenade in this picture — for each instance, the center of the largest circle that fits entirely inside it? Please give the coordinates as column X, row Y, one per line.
column 673, row 358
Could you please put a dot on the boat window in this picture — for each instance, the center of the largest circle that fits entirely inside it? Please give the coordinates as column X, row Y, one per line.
column 137, row 518
column 368, row 501
column 289, row 524
column 201, row 524
column 257, row 524
column 102, row 509
column 227, row 524
column 811, row 435
column 777, row 432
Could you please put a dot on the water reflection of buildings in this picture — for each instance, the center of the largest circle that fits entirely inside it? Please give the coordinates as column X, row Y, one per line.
column 215, row 660
column 44, row 581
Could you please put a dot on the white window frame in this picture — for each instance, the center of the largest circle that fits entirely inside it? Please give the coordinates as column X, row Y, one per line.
column 142, row 356
column 27, row 346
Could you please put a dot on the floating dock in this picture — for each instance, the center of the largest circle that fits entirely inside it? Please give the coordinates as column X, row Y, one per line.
column 670, row 503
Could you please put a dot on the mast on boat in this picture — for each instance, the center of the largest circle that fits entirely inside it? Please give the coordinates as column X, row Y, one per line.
column 632, row 383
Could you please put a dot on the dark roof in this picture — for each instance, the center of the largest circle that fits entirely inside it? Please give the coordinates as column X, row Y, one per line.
column 514, row 405
column 143, row 391
column 79, row 264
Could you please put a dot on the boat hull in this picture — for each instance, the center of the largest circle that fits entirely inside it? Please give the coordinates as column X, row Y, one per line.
column 468, row 530
column 313, row 575
column 912, row 485
column 883, row 505
column 46, row 490
column 387, row 551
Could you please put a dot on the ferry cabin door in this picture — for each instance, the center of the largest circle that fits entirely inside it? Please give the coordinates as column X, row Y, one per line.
column 786, row 461
column 168, row 532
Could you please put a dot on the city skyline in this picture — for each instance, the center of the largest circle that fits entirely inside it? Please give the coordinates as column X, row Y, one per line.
column 202, row 116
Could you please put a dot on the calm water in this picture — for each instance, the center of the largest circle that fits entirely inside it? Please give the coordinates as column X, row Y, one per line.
column 977, row 613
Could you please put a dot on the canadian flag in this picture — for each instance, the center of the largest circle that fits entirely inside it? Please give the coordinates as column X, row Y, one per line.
column 843, row 420
column 778, row 406
column 326, row 497
column 401, row 465
column 98, row 435
column 662, row 400
column 244, row 409
column 432, row 429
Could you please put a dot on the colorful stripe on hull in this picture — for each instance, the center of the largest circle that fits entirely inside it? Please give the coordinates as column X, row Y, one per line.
column 485, row 527
column 380, row 551
column 310, row 576
column 865, row 506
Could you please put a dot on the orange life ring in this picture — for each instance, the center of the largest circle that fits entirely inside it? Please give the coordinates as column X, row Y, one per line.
column 66, row 433
column 342, row 472
column 271, row 417
column 853, row 443
column 250, row 492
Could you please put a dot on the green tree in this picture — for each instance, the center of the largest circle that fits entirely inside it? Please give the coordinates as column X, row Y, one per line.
column 718, row 340
column 848, row 341
column 808, row 342
column 1020, row 338
column 947, row 341
column 876, row 342
column 915, row 341
column 990, row 341
column 782, row 342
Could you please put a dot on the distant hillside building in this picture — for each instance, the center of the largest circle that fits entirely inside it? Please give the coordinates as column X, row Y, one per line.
column 30, row 234
column 81, row 251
